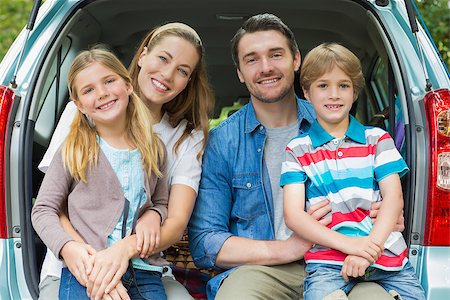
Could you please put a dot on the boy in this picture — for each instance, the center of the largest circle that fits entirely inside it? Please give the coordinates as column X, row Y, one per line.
column 352, row 166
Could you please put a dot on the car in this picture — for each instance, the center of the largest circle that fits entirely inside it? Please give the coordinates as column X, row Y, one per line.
column 407, row 93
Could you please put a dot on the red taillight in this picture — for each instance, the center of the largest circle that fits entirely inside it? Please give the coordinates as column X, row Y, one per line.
column 437, row 228
column 6, row 101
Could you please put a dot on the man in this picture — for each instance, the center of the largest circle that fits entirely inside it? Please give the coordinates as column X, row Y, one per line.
column 238, row 217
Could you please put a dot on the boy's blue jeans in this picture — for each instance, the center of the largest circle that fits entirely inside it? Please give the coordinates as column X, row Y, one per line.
column 149, row 284
column 323, row 279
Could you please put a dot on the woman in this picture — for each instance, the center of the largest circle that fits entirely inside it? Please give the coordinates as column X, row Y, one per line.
column 169, row 74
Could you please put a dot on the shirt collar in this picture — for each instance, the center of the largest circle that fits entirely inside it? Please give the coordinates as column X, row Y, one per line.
column 319, row 136
column 304, row 118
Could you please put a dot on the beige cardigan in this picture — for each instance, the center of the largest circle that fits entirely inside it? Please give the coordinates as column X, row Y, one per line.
column 94, row 207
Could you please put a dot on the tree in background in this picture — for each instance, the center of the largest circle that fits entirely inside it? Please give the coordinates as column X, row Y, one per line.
column 13, row 17
column 436, row 14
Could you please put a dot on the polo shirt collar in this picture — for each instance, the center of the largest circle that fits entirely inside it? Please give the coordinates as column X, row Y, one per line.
column 319, row 136
column 252, row 122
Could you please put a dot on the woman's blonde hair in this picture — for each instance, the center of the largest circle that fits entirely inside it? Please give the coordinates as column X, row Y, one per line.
column 196, row 102
column 323, row 58
column 80, row 149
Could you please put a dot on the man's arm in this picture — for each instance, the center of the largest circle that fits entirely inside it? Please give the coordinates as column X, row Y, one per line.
column 209, row 223
column 242, row 251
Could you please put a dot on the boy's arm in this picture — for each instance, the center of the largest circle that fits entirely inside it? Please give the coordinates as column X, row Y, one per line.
column 389, row 166
column 391, row 207
column 310, row 229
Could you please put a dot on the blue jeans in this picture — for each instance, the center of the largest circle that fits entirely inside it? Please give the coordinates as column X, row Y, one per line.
column 149, row 286
column 323, row 279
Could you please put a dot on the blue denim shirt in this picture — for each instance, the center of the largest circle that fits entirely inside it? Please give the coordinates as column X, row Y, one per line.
column 235, row 196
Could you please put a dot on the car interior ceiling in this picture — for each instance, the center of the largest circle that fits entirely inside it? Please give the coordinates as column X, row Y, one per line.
column 312, row 21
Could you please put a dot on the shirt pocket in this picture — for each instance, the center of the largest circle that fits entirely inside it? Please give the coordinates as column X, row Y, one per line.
column 248, row 196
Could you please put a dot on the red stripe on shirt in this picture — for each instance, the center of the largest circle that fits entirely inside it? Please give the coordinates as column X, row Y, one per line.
column 355, row 216
column 337, row 256
column 323, row 154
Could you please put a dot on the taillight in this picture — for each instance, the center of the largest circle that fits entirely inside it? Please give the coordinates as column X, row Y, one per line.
column 6, row 101
column 437, row 228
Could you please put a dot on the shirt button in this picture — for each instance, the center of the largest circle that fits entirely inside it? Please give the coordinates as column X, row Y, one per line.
column 249, row 185
column 261, row 128
column 259, row 150
column 340, row 153
column 335, row 142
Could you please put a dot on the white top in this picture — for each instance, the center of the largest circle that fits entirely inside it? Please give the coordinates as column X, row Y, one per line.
column 182, row 168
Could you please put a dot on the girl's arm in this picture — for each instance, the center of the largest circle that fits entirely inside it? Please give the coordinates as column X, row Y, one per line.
column 391, row 207
column 307, row 227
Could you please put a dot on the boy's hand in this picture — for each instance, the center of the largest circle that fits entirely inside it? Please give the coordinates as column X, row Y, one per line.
column 363, row 247
column 319, row 210
column 354, row 266
column 117, row 293
column 77, row 257
column 148, row 231
column 108, row 267
column 399, row 226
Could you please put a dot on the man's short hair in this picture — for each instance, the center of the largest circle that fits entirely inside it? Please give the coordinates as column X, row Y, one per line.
column 262, row 22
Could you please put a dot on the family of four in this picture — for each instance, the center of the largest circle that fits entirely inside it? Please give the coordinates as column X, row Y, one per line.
column 124, row 177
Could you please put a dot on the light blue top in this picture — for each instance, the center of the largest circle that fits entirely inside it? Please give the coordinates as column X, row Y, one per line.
column 127, row 165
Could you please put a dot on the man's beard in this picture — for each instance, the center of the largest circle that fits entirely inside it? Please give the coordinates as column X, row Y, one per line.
column 276, row 99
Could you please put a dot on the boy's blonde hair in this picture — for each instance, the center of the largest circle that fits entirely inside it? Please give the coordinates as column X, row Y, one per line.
column 196, row 102
column 323, row 58
column 80, row 149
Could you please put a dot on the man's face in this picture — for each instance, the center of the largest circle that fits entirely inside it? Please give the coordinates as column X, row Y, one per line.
column 266, row 65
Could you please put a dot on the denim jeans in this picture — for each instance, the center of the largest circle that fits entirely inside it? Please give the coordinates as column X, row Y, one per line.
column 323, row 279
column 140, row 285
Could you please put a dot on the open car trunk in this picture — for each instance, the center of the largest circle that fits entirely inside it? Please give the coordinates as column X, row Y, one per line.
column 121, row 25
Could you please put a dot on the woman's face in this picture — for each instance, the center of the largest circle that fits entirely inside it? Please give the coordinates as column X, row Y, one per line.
column 166, row 70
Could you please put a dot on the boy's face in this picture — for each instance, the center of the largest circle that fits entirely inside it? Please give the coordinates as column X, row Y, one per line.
column 332, row 97
column 267, row 66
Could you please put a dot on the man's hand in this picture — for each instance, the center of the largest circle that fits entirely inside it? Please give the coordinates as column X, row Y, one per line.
column 117, row 293
column 319, row 210
column 148, row 232
column 108, row 267
column 399, row 226
column 295, row 247
column 354, row 266
column 77, row 257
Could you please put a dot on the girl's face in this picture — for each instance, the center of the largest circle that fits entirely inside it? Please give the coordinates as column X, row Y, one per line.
column 166, row 70
column 332, row 96
column 102, row 94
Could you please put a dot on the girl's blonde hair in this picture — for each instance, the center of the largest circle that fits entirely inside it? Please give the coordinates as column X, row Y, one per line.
column 80, row 149
column 323, row 58
column 196, row 102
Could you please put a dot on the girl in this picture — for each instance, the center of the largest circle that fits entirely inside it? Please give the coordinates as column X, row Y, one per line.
column 181, row 105
column 108, row 172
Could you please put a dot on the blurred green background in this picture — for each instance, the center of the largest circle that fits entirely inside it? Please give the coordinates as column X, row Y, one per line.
column 436, row 14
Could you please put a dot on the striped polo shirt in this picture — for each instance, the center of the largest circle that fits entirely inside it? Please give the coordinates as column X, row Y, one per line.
column 346, row 171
